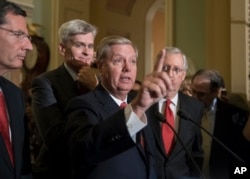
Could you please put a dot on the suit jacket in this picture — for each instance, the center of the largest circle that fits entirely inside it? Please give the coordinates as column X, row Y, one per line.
column 19, row 135
column 51, row 92
column 229, row 123
column 100, row 144
column 178, row 164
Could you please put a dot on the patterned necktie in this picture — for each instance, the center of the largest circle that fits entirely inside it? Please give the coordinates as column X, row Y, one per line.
column 167, row 133
column 4, row 127
column 123, row 105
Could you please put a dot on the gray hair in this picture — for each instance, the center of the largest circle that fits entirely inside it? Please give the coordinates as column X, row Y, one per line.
column 175, row 50
column 106, row 43
column 75, row 27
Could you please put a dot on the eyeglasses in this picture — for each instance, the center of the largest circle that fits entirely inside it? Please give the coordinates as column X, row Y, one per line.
column 175, row 70
column 20, row 35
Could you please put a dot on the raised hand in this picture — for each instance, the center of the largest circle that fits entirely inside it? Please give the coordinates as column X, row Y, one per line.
column 155, row 86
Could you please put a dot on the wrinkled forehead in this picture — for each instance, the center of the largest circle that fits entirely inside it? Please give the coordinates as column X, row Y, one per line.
column 125, row 50
column 174, row 59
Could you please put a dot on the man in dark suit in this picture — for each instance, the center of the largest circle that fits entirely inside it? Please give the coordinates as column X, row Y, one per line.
column 173, row 161
column 52, row 90
column 104, row 140
column 14, row 138
column 226, row 122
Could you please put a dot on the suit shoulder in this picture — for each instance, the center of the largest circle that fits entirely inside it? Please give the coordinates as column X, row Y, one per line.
column 231, row 107
column 59, row 73
column 48, row 74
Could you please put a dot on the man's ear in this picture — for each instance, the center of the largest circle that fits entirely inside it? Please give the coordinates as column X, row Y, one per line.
column 62, row 49
column 184, row 75
column 99, row 66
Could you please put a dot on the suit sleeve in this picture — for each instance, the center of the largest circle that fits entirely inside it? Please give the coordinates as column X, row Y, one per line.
column 93, row 137
column 26, row 164
column 47, row 112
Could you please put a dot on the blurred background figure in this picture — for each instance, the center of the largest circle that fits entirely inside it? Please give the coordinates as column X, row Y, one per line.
column 225, row 121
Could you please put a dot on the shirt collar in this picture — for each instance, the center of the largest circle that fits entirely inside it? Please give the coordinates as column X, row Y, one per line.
column 71, row 72
column 174, row 100
column 117, row 101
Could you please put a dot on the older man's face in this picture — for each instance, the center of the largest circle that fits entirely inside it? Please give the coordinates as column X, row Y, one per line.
column 119, row 70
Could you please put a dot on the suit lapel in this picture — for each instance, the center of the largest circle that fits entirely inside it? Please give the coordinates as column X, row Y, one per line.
column 183, row 127
column 181, row 132
column 66, row 82
column 156, row 127
column 15, row 124
column 109, row 106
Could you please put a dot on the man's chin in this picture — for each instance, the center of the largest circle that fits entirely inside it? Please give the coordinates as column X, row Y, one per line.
column 125, row 90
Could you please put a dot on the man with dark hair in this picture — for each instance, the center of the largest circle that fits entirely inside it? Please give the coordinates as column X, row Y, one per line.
column 225, row 121
column 14, row 139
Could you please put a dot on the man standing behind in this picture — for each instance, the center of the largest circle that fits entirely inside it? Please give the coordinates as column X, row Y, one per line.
column 225, row 121
column 171, row 158
column 52, row 90
column 14, row 139
column 106, row 141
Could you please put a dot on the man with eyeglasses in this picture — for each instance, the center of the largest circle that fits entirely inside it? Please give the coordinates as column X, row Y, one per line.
column 14, row 139
column 226, row 122
column 177, row 155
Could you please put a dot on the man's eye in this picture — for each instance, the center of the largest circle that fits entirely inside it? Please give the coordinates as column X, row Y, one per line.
column 118, row 61
column 90, row 46
column 78, row 45
column 176, row 69
column 133, row 62
column 19, row 34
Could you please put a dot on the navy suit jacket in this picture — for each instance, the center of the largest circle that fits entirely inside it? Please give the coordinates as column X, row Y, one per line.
column 229, row 123
column 19, row 135
column 51, row 91
column 100, row 144
column 178, row 164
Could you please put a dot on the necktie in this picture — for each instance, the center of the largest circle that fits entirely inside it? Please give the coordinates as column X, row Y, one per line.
column 123, row 105
column 167, row 133
column 206, row 143
column 4, row 127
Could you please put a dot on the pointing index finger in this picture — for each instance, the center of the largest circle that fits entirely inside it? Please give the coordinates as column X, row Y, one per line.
column 160, row 61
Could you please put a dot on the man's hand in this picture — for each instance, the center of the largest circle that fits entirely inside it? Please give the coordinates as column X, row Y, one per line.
column 87, row 77
column 155, row 86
